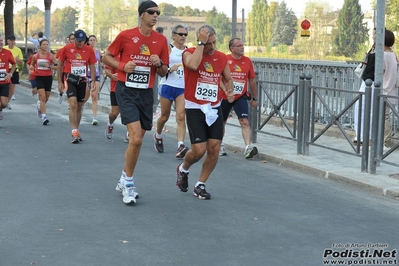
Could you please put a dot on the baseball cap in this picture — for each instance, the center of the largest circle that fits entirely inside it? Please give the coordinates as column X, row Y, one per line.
column 11, row 37
column 80, row 35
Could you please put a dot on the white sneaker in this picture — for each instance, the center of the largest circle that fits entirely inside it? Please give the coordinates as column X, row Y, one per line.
column 250, row 152
column 222, row 151
column 129, row 194
column 9, row 106
column 120, row 184
column 13, row 97
column 94, row 121
column 59, row 98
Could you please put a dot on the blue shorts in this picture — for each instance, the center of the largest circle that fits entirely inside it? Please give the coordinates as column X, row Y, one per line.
column 240, row 108
column 170, row 93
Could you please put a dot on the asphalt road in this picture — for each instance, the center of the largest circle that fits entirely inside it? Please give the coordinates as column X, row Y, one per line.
column 58, row 204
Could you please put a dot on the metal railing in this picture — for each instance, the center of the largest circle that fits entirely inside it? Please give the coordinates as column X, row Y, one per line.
column 309, row 95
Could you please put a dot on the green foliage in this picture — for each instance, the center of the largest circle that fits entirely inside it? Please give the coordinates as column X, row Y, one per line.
column 351, row 31
column 220, row 22
column 256, row 32
column 284, row 26
column 392, row 15
column 63, row 22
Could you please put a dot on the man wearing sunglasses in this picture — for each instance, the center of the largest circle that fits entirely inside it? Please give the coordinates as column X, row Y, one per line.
column 143, row 54
column 204, row 68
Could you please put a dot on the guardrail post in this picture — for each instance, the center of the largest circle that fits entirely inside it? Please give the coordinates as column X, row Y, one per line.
column 375, row 150
column 254, row 113
column 301, row 98
column 306, row 111
column 366, row 126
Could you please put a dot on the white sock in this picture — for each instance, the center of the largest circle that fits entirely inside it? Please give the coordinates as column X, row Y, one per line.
column 123, row 175
column 129, row 180
column 43, row 115
column 199, row 183
column 183, row 170
column 180, row 143
column 158, row 136
column 110, row 124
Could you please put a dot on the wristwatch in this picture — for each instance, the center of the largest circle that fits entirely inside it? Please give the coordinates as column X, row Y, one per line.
column 160, row 64
column 255, row 99
column 200, row 43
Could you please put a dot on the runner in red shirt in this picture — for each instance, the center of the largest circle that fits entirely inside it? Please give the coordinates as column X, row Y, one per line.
column 204, row 68
column 6, row 72
column 74, row 60
column 113, row 114
column 43, row 63
column 143, row 53
column 242, row 72
column 68, row 40
column 31, row 76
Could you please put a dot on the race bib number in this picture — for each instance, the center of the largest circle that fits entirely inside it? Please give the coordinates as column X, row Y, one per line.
column 43, row 64
column 139, row 79
column 238, row 87
column 3, row 74
column 180, row 72
column 206, row 91
column 78, row 70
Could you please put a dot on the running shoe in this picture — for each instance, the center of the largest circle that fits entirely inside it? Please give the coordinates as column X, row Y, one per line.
column 39, row 113
column 158, row 144
column 250, row 152
column 181, row 151
column 200, row 192
column 126, row 139
column 45, row 120
column 129, row 193
column 75, row 137
column 181, row 180
column 13, row 97
column 120, row 184
column 8, row 106
column 94, row 121
column 108, row 132
column 1, row 115
column 222, row 151
column 80, row 138
column 60, row 98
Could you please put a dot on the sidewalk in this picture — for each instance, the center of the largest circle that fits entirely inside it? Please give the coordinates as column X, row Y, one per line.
column 321, row 162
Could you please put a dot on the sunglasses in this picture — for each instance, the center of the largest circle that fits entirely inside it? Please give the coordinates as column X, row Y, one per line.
column 152, row 12
column 181, row 34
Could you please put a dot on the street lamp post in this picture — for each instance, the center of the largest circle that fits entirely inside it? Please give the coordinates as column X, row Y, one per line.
column 47, row 13
column 26, row 28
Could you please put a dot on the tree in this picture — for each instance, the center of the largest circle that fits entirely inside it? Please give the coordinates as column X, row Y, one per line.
column 322, row 19
column 220, row 22
column 392, row 15
column 167, row 9
column 352, row 32
column 35, row 21
column 8, row 17
column 63, row 22
column 284, row 27
column 257, row 22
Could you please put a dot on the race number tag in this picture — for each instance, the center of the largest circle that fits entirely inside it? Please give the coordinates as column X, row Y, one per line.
column 206, row 91
column 3, row 74
column 43, row 64
column 238, row 87
column 180, row 72
column 139, row 79
column 78, row 70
